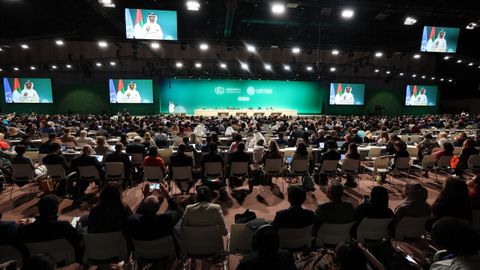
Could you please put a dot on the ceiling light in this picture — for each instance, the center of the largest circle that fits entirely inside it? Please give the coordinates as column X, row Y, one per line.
column 309, row 68
column 179, row 64
column 193, row 5
column 388, row 72
column 286, row 67
column 54, row 67
column 204, row 46
column 33, row 68
column 198, row 65
column 378, row 54
column 416, row 56
column 24, row 46
column 59, row 42
column 244, row 66
column 433, row 78
column 251, row 48
column 113, row 64
column 401, row 74
column 446, row 57
column 267, row 67
column 442, row 79
column 377, row 70
column 335, row 52
column 155, row 45
column 347, row 13
column 459, row 61
column 1, row 50
column 414, row 75
column 98, row 64
column 450, row 80
column 1, row 69
column 423, row 77
column 223, row 65
column 471, row 26
column 68, row 66
column 410, row 21
column 16, row 69
column 470, row 64
column 102, row 44
column 332, row 69
column 278, row 8
column 296, row 50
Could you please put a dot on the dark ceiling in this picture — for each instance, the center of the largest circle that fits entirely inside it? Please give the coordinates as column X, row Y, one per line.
column 311, row 25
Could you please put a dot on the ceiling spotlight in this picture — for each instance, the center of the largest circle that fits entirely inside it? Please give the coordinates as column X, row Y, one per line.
column 223, row 65
column 446, row 57
column 193, row 5
column 378, row 54
column 332, row 69
column 433, row 78
column 33, row 68
column 309, row 68
column 296, row 50
column 347, row 13
column 54, row 67
column 377, row 70
column 423, row 77
column 450, row 80
column 179, row 64
column 470, row 64
column 286, row 67
column 459, row 61
column 471, row 26
column 204, row 46
column 251, row 48
column 267, row 67
column 16, row 69
column 410, row 21
column 68, row 66
column 414, row 75
column 335, row 52
column 198, row 65
column 388, row 72
column 1, row 69
column 102, row 44
column 416, row 56
column 24, row 46
column 98, row 64
column 59, row 42
column 278, row 8
column 113, row 64
column 442, row 79
column 401, row 74
column 155, row 45
column 1, row 50
column 244, row 66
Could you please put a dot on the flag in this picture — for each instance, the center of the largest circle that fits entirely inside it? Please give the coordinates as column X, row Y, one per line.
column 8, row 90
column 113, row 93
column 432, row 33
column 430, row 40
column 128, row 23
column 16, row 90
column 339, row 89
column 138, row 27
column 407, row 96
column 332, row 94
column 121, row 87
column 138, row 18
column 415, row 91
column 424, row 39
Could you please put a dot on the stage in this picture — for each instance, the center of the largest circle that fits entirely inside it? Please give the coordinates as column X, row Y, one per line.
column 249, row 113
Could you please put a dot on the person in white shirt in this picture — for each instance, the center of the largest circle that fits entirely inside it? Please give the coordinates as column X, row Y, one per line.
column 131, row 95
column 257, row 136
column 28, row 94
column 229, row 131
column 84, row 140
column 440, row 43
column 346, row 98
column 419, row 100
column 151, row 29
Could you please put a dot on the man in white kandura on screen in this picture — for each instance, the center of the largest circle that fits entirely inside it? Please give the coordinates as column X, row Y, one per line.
column 28, row 94
column 131, row 95
column 346, row 98
column 419, row 100
column 151, row 29
column 440, row 43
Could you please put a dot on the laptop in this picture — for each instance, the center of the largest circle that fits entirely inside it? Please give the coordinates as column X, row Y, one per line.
column 99, row 157
column 342, row 156
column 63, row 147
column 289, row 160
column 322, row 145
column 340, row 144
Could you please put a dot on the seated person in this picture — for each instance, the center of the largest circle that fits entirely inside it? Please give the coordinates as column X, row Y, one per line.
column 352, row 153
column 153, row 159
column 468, row 149
column 9, row 236
column 336, row 211
column 400, row 151
column 45, row 147
column 3, row 144
column 180, row 159
column 102, row 147
column 55, row 157
column 119, row 156
column 86, row 159
column 331, row 154
column 453, row 201
column 39, row 170
column 447, row 151
column 67, row 137
column 136, row 146
column 267, row 253
column 84, row 140
column 47, row 227
column 349, row 256
column 189, row 145
column 295, row 216
column 212, row 156
column 414, row 203
column 240, row 156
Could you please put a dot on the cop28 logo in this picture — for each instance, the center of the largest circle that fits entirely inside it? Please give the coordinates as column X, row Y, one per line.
column 251, row 91
column 219, row 90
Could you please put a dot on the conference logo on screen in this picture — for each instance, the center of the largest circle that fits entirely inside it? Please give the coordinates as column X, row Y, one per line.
column 219, row 90
column 250, row 90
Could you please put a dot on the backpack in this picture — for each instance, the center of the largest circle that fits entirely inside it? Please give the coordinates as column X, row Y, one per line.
column 307, row 183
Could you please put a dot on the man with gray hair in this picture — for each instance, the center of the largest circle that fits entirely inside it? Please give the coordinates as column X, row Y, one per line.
column 136, row 147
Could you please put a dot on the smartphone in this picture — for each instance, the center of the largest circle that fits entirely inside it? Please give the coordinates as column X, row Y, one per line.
column 154, row 186
column 289, row 160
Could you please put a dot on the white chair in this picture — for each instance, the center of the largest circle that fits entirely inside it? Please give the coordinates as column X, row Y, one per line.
column 213, row 170
column 374, row 152
column 380, row 166
column 332, row 234
column 443, row 165
column 152, row 173
column 413, row 152
column 105, row 247
column 295, row 239
column 165, row 154
column 162, row 249
column 298, row 167
column 181, row 175
column 33, row 155
column 202, row 242
column 350, row 167
column 409, row 228
column 273, row 168
column 402, row 164
column 373, row 229
column 10, row 253
column 115, row 171
column 239, row 169
column 240, row 242
column 21, row 173
column 60, row 250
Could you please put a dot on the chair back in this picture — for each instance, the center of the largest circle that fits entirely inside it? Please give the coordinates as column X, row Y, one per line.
column 476, row 220
column 299, row 166
column 165, row 154
column 9, row 253
column 192, row 155
column 428, row 162
column 60, row 250
column 410, row 228
column 114, row 170
column 182, row 173
column 413, row 152
column 55, row 171
column 202, row 242
column 457, row 150
column 350, row 165
column 474, row 162
column 402, row 163
column 240, row 239
column 40, row 158
column 160, row 249
column 88, row 172
column 152, row 173
column 374, row 152
column 332, row 234
column 239, row 169
column 105, row 247
column 414, row 138
column 213, row 169
column 22, row 172
column 329, row 166
column 273, row 166
column 295, row 239
column 380, row 164
column 137, row 159
column 444, row 162
column 33, row 155
column 373, row 229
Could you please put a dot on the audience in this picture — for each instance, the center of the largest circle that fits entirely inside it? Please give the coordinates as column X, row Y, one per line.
column 180, row 159
column 154, row 160
column 295, row 216
column 102, row 147
column 453, row 201
column 414, row 203
column 375, row 206
column 331, row 154
column 119, row 156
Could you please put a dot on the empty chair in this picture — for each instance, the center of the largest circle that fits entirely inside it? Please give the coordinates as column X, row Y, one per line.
column 115, row 171
column 182, row 175
column 21, row 173
column 273, row 168
column 299, row 167
column 373, row 229
column 410, row 228
column 240, row 242
column 213, row 170
column 162, row 249
column 374, row 152
column 349, row 167
column 402, row 164
column 152, row 173
column 380, row 166
column 103, row 248
column 295, row 239
column 59, row 249
column 333, row 234
column 202, row 242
